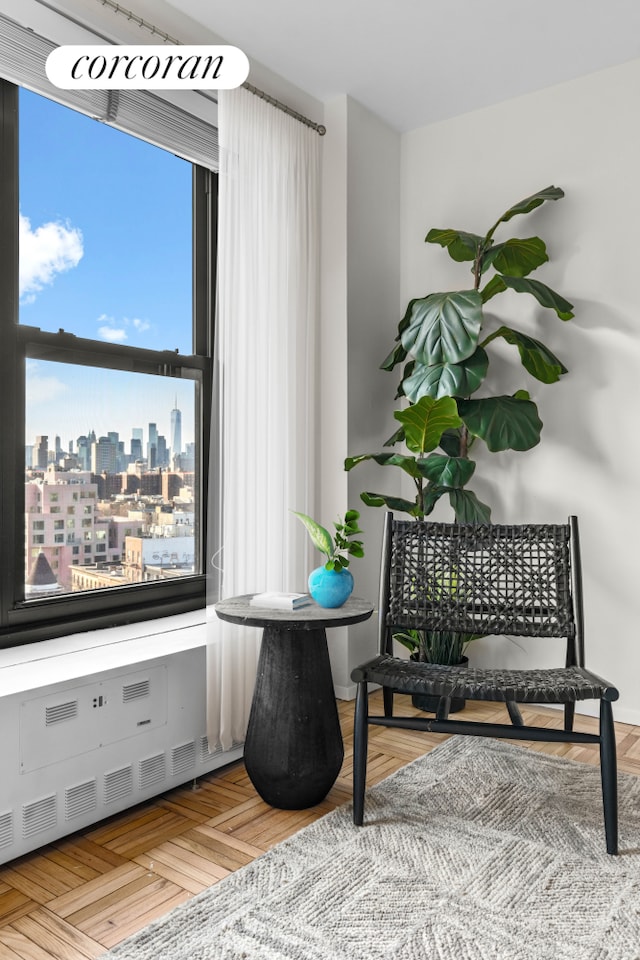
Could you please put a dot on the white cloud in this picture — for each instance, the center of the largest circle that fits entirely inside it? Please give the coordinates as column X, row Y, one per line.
column 109, row 330
column 41, row 389
column 112, row 334
column 116, row 331
column 141, row 325
column 50, row 249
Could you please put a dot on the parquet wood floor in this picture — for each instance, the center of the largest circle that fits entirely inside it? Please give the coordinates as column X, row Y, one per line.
column 79, row 897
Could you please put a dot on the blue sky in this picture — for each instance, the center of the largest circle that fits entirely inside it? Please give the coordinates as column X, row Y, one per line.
column 105, row 253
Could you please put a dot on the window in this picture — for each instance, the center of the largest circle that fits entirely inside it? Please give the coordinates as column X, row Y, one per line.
column 106, row 378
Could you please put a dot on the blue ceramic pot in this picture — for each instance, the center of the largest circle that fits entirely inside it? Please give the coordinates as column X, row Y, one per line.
column 330, row 588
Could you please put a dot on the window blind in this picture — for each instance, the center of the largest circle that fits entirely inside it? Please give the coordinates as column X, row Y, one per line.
column 23, row 54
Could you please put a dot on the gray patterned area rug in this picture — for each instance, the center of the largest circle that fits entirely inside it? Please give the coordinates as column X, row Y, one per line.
column 479, row 850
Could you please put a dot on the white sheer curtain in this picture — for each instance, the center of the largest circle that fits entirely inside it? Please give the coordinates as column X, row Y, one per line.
column 262, row 452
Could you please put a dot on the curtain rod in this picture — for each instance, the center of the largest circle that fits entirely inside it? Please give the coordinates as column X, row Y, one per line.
column 155, row 31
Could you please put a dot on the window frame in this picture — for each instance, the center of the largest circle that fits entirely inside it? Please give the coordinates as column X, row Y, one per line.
column 25, row 621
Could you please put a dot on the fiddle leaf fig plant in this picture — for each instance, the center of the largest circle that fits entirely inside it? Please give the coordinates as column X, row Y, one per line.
column 443, row 343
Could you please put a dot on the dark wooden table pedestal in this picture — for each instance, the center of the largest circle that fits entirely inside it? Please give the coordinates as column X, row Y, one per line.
column 293, row 749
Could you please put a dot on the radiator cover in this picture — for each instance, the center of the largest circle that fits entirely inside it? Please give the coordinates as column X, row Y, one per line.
column 76, row 752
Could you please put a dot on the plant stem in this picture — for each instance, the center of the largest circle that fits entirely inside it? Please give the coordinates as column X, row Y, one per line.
column 477, row 276
column 477, row 267
column 464, row 442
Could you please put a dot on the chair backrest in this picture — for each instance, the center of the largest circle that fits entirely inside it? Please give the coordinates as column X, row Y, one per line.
column 483, row 579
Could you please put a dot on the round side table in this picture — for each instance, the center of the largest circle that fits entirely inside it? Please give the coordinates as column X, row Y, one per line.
column 293, row 750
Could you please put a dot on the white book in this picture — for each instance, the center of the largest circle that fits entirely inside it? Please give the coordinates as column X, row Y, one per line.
column 276, row 600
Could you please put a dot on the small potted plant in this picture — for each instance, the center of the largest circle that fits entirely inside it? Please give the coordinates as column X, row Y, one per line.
column 436, row 646
column 331, row 584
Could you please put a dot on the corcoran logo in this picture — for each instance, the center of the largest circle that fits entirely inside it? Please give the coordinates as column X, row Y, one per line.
column 149, row 67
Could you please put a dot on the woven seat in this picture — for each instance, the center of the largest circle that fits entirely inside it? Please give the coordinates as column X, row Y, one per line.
column 485, row 579
column 559, row 685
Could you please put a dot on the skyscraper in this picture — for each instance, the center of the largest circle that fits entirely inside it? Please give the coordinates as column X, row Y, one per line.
column 103, row 456
column 152, row 446
column 136, row 443
column 83, row 447
column 42, row 452
column 175, row 439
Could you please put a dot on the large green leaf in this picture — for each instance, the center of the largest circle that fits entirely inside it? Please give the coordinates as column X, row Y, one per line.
column 447, row 379
column 397, row 437
column 516, row 257
column 444, row 327
column 393, row 503
column 320, row 537
column 424, row 422
column 397, row 355
column 406, row 373
column 504, row 423
column 461, row 246
column 536, row 357
column 431, row 496
column 446, row 471
column 543, row 294
column 527, row 205
column 467, row 508
column 408, row 464
column 450, row 442
column 493, row 287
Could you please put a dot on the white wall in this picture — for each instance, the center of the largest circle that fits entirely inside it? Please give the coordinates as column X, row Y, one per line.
column 360, row 297
column 582, row 136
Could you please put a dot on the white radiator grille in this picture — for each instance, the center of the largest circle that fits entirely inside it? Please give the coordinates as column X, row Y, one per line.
column 118, row 784
column 80, row 799
column 206, row 754
column 151, row 771
column 183, row 758
column 39, row 816
column 134, row 691
column 6, row 828
column 58, row 712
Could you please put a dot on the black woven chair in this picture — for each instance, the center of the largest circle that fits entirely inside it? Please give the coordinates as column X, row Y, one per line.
column 485, row 579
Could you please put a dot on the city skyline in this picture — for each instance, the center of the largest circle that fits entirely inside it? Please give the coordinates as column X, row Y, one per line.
column 110, row 453
column 88, row 398
column 137, row 436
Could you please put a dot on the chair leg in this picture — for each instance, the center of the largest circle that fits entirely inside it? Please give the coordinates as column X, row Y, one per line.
column 360, row 744
column 387, row 700
column 514, row 713
column 569, row 713
column 608, row 771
